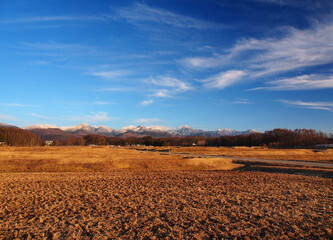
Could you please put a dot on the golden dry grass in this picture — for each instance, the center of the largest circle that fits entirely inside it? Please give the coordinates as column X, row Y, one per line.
column 261, row 153
column 82, row 159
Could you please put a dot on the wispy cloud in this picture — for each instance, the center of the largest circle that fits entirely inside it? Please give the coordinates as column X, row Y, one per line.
column 39, row 63
column 304, row 82
column 162, row 93
column 139, row 12
column 92, row 117
column 241, row 101
column 308, row 4
column 294, row 50
column 171, row 83
column 109, row 74
column 118, row 89
column 55, row 49
column 146, row 102
column 4, row 117
column 51, row 45
column 297, row 49
column 102, row 103
column 148, row 120
column 59, row 18
column 15, row 105
column 224, row 79
column 40, row 116
column 328, row 106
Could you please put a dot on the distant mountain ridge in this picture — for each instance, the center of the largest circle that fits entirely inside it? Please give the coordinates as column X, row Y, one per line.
column 51, row 131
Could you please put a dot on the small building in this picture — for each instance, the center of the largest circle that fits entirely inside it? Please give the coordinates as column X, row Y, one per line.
column 323, row 146
column 49, row 143
column 2, row 144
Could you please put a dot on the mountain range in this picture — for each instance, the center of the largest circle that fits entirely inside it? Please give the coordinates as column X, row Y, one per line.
column 61, row 133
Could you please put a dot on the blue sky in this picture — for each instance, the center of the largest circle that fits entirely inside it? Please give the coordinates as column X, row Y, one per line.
column 259, row 64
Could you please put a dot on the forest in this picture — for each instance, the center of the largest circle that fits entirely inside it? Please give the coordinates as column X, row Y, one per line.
column 18, row 137
column 277, row 138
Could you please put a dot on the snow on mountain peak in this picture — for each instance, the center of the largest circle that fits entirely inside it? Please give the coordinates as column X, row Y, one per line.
column 182, row 127
column 185, row 130
column 40, row 126
column 158, row 128
column 128, row 128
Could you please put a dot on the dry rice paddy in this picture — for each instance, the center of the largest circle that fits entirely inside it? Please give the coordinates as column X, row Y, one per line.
column 165, row 204
column 106, row 193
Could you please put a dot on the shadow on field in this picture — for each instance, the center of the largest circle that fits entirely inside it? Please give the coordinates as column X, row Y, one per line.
column 273, row 168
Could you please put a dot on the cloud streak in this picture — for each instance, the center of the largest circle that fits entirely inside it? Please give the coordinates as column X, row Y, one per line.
column 4, row 117
column 15, row 105
column 224, row 79
column 58, row 18
column 146, row 102
column 40, row 116
column 327, row 106
column 171, row 83
column 92, row 117
column 139, row 13
column 295, row 49
column 304, row 82
column 108, row 74
column 147, row 120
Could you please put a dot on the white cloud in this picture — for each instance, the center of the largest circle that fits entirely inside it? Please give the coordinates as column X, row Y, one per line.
column 92, row 117
column 224, row 79
column 304, row 82
column 241, row 101
column 39, row 63
column 142, row 13
column 8, row 118
column 59, row 18
column 108, row 74
column 328, row 106
column 53, row 46
column 102, row 103
column 40, row 116
column 294, row 50
column 146, row 102
column 118, row 89
column 206, row 62
column 297, row 49
column 163, row 93
column 147, row 120
column 14, row 105
column 170, row 82
column 307, row 4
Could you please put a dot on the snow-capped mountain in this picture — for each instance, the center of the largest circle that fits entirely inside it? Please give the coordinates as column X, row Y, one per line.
column 185, row 131
column 7, row 125
column 230, row 132
column 137, row 131
column 40, row 126
column 103, row 129
column 86, row 128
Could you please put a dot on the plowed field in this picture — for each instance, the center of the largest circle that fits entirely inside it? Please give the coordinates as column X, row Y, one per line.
column 165, row 204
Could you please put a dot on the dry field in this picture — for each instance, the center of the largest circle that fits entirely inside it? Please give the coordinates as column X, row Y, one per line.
column 165, row 204
column 118, row 193
column 96, row 159
column 262, row 153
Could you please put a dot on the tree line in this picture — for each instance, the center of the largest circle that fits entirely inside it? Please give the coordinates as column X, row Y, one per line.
column 18, row 137
column 277, row 138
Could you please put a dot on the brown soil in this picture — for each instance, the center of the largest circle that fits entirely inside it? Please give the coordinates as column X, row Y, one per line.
column 165, row 205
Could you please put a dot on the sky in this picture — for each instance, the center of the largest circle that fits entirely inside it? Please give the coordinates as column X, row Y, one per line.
column 251, row 64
